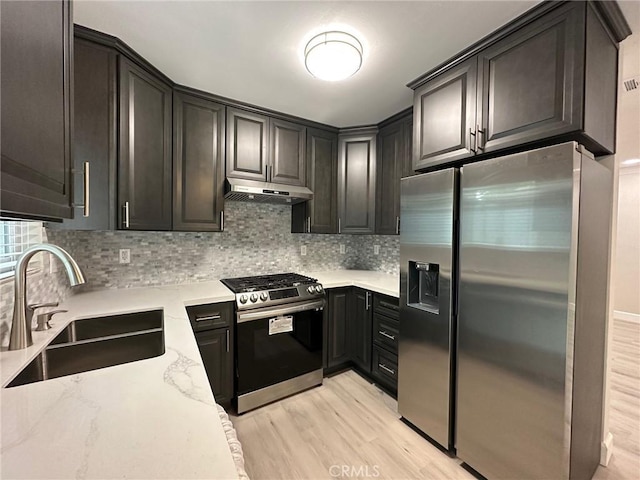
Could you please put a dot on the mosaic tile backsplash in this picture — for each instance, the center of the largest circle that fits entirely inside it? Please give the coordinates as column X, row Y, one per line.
column 257, row 240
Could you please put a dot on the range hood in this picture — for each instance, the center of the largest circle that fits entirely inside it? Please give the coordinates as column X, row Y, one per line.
column 265, row 192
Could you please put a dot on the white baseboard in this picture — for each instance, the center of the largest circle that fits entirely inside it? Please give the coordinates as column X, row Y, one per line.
column 626, row 316
column 606, row 450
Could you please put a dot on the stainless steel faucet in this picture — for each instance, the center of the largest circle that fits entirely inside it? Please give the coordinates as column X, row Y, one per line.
column 22, row 314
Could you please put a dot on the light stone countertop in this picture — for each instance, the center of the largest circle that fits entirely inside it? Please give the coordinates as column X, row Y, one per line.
column 151, row 419
column 380, row 282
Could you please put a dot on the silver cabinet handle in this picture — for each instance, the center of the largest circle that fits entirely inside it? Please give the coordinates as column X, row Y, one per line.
column 85, row 188
column 207, row 318
column 386, row 369
column 480, row 132
column 222, row 220
column 472, row 141
column 227, row 340
column 339, row 226
column 398, row 225
column 308, row 224
column 385, row 334
column 126, row 214
column 85, row 212
column 366, row 301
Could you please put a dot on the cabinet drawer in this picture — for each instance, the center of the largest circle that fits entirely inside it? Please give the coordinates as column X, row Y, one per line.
column 207, row 317
column 389, row 306
column 384, row 367
column 385, row 332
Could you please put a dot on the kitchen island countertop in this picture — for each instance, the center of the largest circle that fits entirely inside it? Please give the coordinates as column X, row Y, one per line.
column 151, row 419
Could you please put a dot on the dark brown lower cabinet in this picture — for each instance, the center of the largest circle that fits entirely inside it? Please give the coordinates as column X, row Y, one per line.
column 213, row 328
column 215, row 350
column 336, row 331
column 360, row 328
column 361, row 331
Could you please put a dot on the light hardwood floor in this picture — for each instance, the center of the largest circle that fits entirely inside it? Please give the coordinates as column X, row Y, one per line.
column 348, row 421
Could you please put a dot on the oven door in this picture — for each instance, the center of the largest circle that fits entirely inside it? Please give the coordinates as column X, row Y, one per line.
column 278, row 344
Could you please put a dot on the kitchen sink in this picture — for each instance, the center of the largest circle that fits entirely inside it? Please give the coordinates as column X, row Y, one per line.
column 98, row 327
column 94, row 343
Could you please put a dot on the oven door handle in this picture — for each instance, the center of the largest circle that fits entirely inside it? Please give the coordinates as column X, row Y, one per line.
column 274, row 312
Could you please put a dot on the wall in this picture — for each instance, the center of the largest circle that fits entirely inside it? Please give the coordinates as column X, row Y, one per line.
column 626, row 281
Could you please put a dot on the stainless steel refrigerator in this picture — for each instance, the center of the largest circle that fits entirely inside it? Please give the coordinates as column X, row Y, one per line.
column 503, row 297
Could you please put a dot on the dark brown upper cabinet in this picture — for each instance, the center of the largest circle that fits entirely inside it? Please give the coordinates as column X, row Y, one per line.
column 286, row 152
column 94, row 138
column 265, row 149
column 357, row 181
column 247, row 137
column 549, row 79
column 391, row 153
column 407, row 163
column 37, row 108
column 198, row 163
column 319, row 215
column 444, row 117
column 144, row 176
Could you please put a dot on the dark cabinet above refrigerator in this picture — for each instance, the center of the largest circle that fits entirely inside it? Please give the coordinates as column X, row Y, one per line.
column 549, row 80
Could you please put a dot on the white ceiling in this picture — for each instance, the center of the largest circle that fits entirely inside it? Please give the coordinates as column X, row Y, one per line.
column 250, row 51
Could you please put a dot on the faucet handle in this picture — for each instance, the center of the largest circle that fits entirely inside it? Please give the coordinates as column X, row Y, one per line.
column 33, row 306
column 44, row 318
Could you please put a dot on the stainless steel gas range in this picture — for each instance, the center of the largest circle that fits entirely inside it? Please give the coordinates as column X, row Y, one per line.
column 279, row 336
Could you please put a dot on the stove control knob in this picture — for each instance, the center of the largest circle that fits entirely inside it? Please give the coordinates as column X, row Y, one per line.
column 264, row 296
column 319, row 288
column 310, row 289
column 243, row 299
column 253, row 298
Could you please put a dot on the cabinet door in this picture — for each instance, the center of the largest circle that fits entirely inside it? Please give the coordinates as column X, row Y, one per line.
column 144, row 177
column 531, row 82
column 407, row 161
column 36, row 108
column 337, row 347
column 246, row 145
column 216, row 351
column 198, row 156
column 287, row 152
column 322, row 166
column 94, row 137
column 356, row 183
column 360, row 318
column 391, row 151
column 444, row 116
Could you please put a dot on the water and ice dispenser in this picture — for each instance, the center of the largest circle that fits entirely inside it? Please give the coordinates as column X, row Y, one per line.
column 423, row 286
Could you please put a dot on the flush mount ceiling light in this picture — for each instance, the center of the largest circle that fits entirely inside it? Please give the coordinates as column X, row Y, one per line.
column 333, row 55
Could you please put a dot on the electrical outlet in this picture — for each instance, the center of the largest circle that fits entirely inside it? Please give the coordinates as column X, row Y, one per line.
column 376, row 249
column 343, row 249
column 125, row 255
column 303, row 250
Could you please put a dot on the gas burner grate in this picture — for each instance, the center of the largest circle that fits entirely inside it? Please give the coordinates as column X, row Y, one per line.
column 266, row 282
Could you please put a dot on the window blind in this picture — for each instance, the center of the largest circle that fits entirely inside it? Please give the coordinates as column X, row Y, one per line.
column 15, row 238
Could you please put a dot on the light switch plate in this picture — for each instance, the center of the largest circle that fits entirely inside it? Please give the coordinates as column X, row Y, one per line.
column 343, row 249
column 376, row 249
column 303, row 250
column 125, row 255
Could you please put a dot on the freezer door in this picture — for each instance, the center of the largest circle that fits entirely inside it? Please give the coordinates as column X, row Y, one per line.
column 426, row 263
column 515, row 320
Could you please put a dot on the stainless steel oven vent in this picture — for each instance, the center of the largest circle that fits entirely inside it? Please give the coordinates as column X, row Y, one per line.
column 264, row 192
